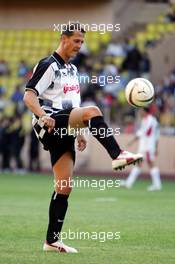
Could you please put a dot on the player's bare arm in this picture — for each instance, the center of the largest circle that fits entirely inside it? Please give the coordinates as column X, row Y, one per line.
column 31, row 101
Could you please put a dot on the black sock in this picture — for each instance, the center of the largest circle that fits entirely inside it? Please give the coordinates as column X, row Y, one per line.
column 99, row 130
column 57, row 211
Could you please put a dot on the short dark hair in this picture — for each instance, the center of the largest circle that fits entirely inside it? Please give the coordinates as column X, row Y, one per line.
column 70, row 28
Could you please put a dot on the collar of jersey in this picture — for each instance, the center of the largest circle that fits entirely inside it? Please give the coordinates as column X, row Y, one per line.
column 58, row 58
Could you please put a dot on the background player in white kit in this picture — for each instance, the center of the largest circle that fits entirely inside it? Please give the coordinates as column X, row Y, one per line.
column 147, row 135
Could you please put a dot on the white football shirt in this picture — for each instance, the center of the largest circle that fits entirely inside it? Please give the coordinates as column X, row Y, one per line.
column 148, row 133
column 56, row 81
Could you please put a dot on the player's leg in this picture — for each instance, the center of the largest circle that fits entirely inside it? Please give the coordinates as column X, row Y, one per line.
column 133, row 175
column 92, row 117
column 62, row 158
column 62, row 170
column 154, row 172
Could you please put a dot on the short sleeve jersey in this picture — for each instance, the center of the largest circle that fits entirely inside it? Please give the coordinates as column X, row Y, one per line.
column 56, row 81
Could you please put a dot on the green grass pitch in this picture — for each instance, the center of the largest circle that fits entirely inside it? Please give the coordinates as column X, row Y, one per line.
column 145, row 220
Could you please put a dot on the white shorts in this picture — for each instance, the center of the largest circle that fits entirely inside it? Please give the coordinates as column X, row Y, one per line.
column 148, row 155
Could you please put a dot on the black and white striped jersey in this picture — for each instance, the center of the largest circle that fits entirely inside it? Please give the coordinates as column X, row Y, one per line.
column 56, row 81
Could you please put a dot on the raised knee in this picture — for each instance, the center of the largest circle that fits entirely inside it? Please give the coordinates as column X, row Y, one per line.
column 64, row 190
column 91, row 112
column 63, row 187
column 95, row 111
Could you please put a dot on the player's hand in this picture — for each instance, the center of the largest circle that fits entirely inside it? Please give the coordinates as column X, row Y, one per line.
column 49, row 122
column 82, row 143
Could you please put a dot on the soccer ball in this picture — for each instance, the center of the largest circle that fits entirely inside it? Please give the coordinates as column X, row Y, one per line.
column 139, row 92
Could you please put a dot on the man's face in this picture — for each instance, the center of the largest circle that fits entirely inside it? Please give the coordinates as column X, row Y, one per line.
column 73, row 43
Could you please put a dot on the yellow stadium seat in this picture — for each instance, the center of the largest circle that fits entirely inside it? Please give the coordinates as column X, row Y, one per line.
column 118, row 60
column 161, row 28
column 26, row 122
column 31, row 45
column 28, row 34
column 170, row 27
column 141, row 46
column 151, row 27
column 107, row 59
column 93, row 46
column 105, row 38
column 9, row 111
column 132, row 41
column 19, row 34
column 150, row 36
column 140, row 37
column 161, row 18
column 121, row 97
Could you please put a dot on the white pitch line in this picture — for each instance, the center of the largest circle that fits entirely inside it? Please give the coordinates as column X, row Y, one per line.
column 106, row 199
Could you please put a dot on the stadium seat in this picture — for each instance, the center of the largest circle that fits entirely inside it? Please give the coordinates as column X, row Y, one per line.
column 161, row 28
column 105, row 38
column 161, row 18
column 118, row 61
column 31, row 45
column 170, row 27
column 121, row 97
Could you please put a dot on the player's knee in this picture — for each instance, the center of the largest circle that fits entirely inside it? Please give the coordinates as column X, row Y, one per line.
column 66, row 190
column 63, row 186
column 95, row 111
column 91, row 112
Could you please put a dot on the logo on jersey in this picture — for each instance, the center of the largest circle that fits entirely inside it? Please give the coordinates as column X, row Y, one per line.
column 70, row 88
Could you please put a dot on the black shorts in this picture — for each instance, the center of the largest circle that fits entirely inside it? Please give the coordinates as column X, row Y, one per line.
column 58, row 141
